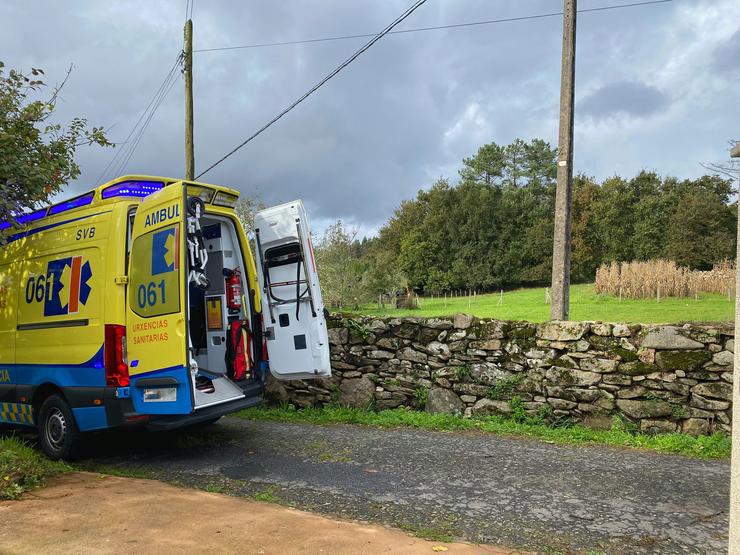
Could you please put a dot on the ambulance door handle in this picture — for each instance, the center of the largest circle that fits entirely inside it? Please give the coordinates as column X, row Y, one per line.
column 121, row 280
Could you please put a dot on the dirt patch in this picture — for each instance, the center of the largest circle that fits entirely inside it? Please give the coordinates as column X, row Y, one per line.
column 87, row 513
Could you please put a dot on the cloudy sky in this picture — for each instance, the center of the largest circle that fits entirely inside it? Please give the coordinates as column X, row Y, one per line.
column 656, row 88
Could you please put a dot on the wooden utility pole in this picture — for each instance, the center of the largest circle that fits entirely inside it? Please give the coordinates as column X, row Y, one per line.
column 735, row 461
column 563, row 196
column 188, row 71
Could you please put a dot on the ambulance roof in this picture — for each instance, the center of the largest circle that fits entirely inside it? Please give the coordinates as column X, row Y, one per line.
column 124, row 188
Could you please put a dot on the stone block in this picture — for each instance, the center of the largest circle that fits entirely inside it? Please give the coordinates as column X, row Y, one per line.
column 723, row 358
column 636, row 368
column 650, row 426
column 621, row 330
column 600, row 365
column 462, row 321
column 489, row 407
column 561, row 404
column 631, row 392
column 714, row 390
column 708, row 404
column 562, row 330
column 444, row 401
column 357, row 392
column 338, row 336
column 644, row 409
column 695, row 426
column 602, row 329
column 407, row 353
column 681, row 359
column 668, row 337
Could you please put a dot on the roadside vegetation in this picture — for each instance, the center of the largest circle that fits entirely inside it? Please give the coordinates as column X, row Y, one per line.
column 491, row 229
column 716, row 446
column 585, row 304
column 22, row 468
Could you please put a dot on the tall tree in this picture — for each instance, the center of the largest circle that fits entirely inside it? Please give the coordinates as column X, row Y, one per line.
column 37, row 156
column 701, row 231
column 340, row 269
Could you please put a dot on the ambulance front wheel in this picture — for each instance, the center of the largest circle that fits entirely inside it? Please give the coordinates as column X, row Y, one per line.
column 58, row 434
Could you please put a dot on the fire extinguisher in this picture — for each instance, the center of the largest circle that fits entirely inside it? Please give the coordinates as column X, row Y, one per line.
column 234, row 290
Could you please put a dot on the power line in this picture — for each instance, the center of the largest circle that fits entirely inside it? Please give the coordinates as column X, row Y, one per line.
column 313, row 89
column 126, row 152
column 144, row 127
column 435, row 28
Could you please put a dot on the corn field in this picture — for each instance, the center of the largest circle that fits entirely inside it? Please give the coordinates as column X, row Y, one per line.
column 663, row 278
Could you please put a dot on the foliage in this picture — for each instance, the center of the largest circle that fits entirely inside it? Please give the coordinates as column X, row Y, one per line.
column 246, row 208
column 36, row 154
column 22, row 468
column 585, row 304
column 716, row 446
column 340, row 267
column 493, row 229
column 421, row 397
column 505, row 386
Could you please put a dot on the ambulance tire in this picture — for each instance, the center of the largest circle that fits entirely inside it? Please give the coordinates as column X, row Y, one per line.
column 59, row 437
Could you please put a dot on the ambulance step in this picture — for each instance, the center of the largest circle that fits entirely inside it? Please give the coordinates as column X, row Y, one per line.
column 224, row 390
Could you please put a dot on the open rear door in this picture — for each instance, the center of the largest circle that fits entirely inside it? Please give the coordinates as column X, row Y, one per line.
column 156, row 330
column 292, row 308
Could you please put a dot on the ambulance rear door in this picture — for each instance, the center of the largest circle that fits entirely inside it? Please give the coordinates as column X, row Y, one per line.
column 156, row 329
column 292, row 308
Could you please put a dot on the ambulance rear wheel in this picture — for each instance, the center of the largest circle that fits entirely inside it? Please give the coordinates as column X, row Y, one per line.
column 58, row 434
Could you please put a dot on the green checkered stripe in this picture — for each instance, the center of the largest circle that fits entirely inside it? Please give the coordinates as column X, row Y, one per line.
column 16, row 413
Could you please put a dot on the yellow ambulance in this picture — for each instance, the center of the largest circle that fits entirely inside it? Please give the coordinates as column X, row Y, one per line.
column 139, row 303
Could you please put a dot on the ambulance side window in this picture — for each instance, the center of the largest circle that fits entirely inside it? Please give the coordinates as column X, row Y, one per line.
column 129, row 231
column 154, row 273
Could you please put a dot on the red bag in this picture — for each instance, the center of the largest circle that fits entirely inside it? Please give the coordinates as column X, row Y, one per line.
column 239, row 351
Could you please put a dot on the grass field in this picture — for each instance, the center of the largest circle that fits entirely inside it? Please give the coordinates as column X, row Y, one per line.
column 585, row 304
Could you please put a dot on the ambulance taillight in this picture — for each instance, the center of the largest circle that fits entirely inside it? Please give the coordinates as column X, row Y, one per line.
column 116, row 367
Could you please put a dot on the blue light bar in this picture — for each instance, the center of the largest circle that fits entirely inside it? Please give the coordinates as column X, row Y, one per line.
column 76, row 202
column 31, row 217
column 4, row 225
column 132, row 189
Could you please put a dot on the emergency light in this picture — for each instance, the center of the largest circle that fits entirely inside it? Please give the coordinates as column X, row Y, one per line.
column 132, row 189
column 76, row 202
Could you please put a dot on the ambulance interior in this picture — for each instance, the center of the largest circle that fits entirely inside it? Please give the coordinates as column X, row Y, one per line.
column 220, row 324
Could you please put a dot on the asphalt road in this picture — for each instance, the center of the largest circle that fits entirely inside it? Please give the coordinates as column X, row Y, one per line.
column 482, row 488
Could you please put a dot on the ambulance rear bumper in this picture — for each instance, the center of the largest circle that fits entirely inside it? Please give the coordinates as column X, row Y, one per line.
column 202, row 415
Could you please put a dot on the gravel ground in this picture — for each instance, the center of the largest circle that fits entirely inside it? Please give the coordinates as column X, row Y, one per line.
column 477, row 487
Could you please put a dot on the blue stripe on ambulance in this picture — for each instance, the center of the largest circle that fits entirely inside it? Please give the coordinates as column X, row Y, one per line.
column 87, row 374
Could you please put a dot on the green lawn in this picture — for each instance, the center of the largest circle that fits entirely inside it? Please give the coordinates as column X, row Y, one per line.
column 585, row 304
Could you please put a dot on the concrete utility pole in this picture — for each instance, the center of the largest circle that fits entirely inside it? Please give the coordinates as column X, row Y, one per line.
column 188, row 71
column 734, row 548
column 563, row 197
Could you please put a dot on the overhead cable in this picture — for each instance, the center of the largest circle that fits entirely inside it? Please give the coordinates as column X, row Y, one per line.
column 313, row 89
column 435, row 28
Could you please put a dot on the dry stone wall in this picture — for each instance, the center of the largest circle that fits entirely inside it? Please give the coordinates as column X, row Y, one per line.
column 660, row 378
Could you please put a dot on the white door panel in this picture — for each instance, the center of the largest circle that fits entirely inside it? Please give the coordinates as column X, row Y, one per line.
column 292, row 308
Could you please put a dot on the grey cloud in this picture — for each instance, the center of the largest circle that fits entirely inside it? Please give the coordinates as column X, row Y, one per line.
column 726, row 58
column 626, row 98
column 374, row 134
